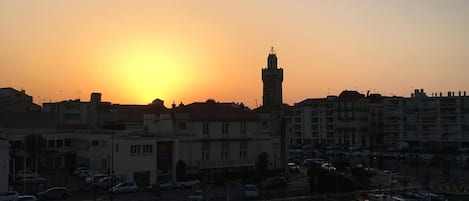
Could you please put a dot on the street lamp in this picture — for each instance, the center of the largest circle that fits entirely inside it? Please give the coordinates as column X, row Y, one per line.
column 112, row 162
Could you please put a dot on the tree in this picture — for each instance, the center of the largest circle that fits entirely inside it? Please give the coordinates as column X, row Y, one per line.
column 32, row 145
column 262, row 166
column 262, row 162
column 180, row 170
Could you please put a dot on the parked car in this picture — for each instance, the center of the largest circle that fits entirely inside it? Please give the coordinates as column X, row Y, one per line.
column 80, row 170
column 54, row 193
column 196, row 196
column 354, row 147
column 328, row 166
column 292, row 167
column 274, row 182
column 187, row 184
column 426, row 157
column 24, row 173
column 30, row 179
column 95, row 178
column 106, row 182
column 168, row 185
column 125, row 187
column 314, row 161
column 308, row 162
column 9, row 196
column 217, row 181
column 250, row 191
column 27, row 198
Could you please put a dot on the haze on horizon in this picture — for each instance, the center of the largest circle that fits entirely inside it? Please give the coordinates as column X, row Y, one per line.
column 186, row 51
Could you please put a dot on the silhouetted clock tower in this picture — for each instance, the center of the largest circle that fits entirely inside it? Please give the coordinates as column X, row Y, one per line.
column 272, row 78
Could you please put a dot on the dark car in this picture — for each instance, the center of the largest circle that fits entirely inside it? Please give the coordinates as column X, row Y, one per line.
column 274, row 182
column 106, row 182
column 54, row 193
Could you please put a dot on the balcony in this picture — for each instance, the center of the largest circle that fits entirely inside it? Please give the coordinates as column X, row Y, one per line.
column 225, row 164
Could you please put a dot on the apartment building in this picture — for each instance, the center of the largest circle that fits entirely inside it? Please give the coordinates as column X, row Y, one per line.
column 434, row 122
column 332, row 120
column 213, row 137
column 12, row 100
column 4, row 164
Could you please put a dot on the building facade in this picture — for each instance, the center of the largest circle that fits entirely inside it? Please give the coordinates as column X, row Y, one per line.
column 211, row 137
column 12, row 100
column 434, row 122
column 4, row 164
column 423, row 122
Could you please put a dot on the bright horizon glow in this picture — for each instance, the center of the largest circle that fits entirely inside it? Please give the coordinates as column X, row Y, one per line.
column 186, row 51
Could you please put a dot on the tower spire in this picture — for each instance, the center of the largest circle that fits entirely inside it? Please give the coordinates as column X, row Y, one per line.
column 272, row 51
column 272, row 78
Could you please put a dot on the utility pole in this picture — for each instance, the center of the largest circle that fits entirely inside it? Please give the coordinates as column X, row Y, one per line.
column 37, row 152
column 112, row 162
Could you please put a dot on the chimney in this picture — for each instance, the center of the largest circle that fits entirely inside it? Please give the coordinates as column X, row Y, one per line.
column 449, row 93
column 95, row 97
column 441, row 94
column 459, row 93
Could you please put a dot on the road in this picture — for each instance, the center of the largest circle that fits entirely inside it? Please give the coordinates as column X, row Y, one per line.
column 295, row 186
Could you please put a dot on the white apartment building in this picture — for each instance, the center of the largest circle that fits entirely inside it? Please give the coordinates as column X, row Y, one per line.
column 434, row 122
column 313, row 122
column 333, row 120
column 215, row 137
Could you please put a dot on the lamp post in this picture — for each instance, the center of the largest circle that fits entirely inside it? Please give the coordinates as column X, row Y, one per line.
column 112, row 163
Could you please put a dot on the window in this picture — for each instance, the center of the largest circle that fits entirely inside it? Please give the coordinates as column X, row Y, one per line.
column 67, row 142
column 147, row 149
column 205, row 128
column 141, row 149
column 157, row 122
column 59, row 143
column 103, row 164
column 117, row 147
column 135, row 149
column 243, row 127
column 205, row 151
column 224, row 150
column 265, row 125
column 243, row 146
column 51, row 144
column 182, row 125
column 205, row 155
column 103, row 143
column 224, row 155
column 225, row 128
column 17, row 143
column 94, row 143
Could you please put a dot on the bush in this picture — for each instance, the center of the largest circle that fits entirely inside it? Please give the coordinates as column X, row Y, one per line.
column 324, row 181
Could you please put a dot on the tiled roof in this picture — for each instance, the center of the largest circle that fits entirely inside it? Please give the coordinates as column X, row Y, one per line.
column 310, row 101
column 350, row 96
column 212, row 110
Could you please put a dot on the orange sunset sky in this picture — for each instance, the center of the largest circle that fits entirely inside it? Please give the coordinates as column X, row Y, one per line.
column 185, row 51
